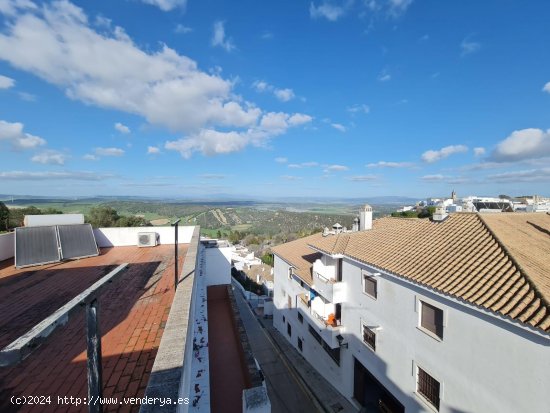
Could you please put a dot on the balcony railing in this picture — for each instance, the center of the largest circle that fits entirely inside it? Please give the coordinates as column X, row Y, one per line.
column 327, row 330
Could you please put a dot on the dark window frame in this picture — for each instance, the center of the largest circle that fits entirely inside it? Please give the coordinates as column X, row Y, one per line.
column 369, row 337
column 432, row 319
column 428, row 387
column 289, row 329
column 368, row 278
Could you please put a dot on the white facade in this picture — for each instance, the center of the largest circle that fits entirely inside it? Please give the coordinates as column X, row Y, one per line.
column 217, row 265
column 484, row 363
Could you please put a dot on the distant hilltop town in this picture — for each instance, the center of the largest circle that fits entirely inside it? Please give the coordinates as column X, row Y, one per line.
column 480, row 204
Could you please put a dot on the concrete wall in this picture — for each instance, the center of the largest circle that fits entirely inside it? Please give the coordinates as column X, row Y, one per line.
column 119, row 237
column 483, row 363
column 217, row 265
column 7, row 246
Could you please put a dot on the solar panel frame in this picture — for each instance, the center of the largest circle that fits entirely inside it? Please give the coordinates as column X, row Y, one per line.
column 77, row 241
column 36, row 246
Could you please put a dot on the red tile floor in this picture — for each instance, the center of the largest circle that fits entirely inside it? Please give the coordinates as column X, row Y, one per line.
column 132, row 311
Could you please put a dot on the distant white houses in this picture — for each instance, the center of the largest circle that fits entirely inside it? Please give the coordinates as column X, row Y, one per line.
column 450, row 314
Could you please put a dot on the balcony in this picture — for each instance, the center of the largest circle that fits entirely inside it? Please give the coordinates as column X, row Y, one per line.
column 320, row 319
column 332, row 290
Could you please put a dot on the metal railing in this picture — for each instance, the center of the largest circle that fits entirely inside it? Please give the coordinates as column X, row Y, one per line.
column 23, row 346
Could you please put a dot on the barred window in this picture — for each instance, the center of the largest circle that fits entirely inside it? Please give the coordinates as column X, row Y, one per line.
column 428, row 387
column 369, row 337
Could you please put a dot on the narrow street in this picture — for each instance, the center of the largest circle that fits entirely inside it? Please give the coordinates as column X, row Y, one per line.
column 285, row 390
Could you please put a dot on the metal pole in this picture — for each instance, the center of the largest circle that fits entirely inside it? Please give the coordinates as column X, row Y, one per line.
column 175, row 224
column 95, row 385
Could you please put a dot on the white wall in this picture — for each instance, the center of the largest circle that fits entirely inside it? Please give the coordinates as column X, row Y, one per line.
column 217, row 265
column 7, row 246
column 312, row 351
column 484, row 364
column 119, row 237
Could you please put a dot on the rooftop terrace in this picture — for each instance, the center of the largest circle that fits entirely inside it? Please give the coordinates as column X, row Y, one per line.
column 133, row 311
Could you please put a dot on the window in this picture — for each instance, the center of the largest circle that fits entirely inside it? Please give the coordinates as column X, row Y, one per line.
column 300, row 317
column 289, row 329
column 334, row 353
column 370, row 285
column 314, row 333
column 428, row 387
column 284, row 319
column 431, row 319
column 339, row 270
column 300, row 344
column 369, row 337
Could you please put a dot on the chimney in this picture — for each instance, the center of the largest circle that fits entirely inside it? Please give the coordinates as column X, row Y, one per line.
column 365, row 220
column 440, row 213
column 355, row 227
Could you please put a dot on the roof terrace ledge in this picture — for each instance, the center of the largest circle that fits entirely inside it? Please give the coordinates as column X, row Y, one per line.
column 167, row 375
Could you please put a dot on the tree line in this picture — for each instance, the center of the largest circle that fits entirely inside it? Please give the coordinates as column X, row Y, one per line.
column 100, row 216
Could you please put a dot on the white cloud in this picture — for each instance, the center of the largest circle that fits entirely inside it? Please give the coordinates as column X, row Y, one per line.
column 291, row 178
column 122, row 128
column 338, row 126
column 530, row 175
column 6, row 82
column 109, row 151
column 468, row 47
column 479, row 151
column 384, row 164
column 359, row 108
column 10, row 8
column 326, row 10
column 212, row 176
column 299, row 119
column 523, row 144
column 182, row 29
column 384, row 76
column 13, row 133
column 363, row 178
column 546, row 87
column 280, row 159
column 212, row 142
column 437, row 155
column 219, row 39
column 266, row 35
column 40, row 176
column 335, row 168
column 434, row 178
column 166, row 5
column 398, row 7
column 27, row 97
column 152, row 150
column 303, row 165
column 284, row 95
column 90, row 157
column 56, row 43
column 50, row 157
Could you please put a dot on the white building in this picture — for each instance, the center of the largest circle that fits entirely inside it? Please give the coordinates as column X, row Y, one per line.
column 414, row 315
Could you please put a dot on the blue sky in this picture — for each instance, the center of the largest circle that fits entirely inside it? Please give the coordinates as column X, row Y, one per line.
column 283, row 98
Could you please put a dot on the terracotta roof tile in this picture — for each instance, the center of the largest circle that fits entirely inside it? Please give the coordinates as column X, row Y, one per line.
column 298, row 254
column 499, row 261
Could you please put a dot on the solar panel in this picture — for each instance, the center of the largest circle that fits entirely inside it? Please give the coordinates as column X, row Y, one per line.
column 77, row 241
column 35, row 246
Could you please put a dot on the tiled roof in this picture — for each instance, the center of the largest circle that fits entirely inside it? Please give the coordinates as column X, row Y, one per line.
column 298, row 254
column 500, row 262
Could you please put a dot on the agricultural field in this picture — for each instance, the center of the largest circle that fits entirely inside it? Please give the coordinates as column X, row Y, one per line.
column 236, row 220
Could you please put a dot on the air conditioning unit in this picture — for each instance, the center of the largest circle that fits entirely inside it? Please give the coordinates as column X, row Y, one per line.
column 147, row 239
